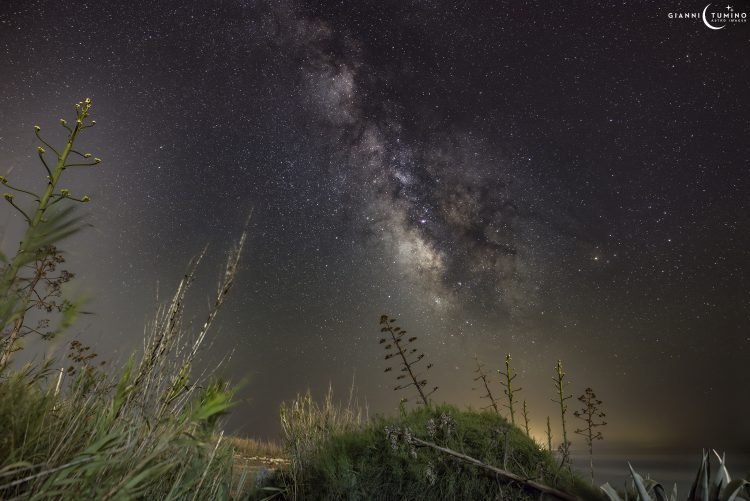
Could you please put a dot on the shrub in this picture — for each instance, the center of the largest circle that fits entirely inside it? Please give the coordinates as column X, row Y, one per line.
column 368, row 463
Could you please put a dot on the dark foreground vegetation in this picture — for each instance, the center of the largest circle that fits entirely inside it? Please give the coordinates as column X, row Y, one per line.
column 424, row 453
column 151, row 429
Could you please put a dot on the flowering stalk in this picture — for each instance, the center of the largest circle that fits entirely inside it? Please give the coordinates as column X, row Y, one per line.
column 41, row 231
column 559, row 380
column 507, row 383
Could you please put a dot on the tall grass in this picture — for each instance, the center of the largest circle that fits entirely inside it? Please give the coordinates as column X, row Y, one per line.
column 151, row 431
column 306, row 425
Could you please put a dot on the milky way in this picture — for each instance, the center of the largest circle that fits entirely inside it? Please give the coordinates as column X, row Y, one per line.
column 434, row 193
column 554, row 181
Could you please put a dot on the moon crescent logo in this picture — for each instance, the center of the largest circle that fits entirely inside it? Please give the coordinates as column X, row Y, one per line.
column 705, row 21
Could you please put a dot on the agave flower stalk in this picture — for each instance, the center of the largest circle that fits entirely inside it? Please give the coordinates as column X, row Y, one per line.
column 400, row 346
column 526, row 419
column 549, row 436
column 593, row 417
column 559, row 380
column 482, row 376
column 507, row 382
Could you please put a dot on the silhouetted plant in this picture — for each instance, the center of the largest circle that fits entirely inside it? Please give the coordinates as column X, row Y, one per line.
column 81, row 357
column 398, row 345
column 559, row 380
column 82, row 364
column 43, row 227
column 507, row 384
column 482, row 376
column 549, row 436
column 526, row 419
column 42, row 283
column 592, row 416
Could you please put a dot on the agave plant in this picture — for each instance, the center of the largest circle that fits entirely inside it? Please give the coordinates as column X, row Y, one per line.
column 397, row 345
column 720, row 488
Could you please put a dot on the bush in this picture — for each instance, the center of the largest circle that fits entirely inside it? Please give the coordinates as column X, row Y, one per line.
column 368, row 463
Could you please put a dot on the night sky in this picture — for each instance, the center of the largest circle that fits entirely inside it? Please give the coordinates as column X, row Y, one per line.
column 556, row 181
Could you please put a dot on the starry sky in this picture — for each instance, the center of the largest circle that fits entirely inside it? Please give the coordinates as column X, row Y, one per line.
column 556, row 181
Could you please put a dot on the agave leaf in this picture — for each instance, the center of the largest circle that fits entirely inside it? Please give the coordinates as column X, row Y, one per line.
column 640, row 487
column 659, row 492
column 722, row 477
column 732, row 489
column 610, row 492
column 699, row 490
column 650, row 484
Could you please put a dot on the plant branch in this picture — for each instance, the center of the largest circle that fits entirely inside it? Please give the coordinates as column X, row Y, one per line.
column 545, row 489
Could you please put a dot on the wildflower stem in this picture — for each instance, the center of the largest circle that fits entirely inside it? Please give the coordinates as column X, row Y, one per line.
column 25, row 248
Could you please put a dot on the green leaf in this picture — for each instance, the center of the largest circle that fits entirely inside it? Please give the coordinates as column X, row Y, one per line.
column 610, row 492
column 699, row 490
column 123, row 389
column 732, row 489
column 70, row 314
column 659, row 492
column 722, row 477
column 642, row 491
